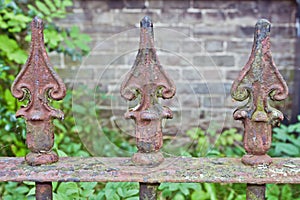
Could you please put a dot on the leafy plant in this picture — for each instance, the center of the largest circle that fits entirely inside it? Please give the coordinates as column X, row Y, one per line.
column 209, row 144
column 120, row 190
column 13, row 190
column 202, row 191
column 284, row 192
column 286, row 141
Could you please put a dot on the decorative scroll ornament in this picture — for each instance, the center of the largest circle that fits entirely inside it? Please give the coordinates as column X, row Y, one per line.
column 148, row 80
column 38, row 81
column 259, row 81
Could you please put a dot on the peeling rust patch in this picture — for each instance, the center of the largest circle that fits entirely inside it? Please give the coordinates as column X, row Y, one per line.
column 258, row 81
column 148, row 80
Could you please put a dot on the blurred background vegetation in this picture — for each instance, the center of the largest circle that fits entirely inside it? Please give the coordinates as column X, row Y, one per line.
column 15, row 18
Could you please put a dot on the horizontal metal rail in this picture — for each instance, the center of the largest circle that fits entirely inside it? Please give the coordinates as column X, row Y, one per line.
column 178, row 169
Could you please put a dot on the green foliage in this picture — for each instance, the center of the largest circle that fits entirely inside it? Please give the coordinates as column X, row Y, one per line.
column 90, row 190
column 120, row 190
column 88, row 122
column 286, row 141
column 12, row 135
column 228, row 143
column 13, row 190
column 284, row 192
column 204, row 191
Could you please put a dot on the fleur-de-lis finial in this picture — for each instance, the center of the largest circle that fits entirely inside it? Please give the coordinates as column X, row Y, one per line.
column 148, row 79
column 258, row 82
column 38, row 81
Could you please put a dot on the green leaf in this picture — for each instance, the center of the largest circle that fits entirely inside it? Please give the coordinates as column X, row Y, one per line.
column 59, row 125
column 200, row 195
column 67, row 3
column 8, row 45
column 61, row 153
column 132, row 198
column 74, row 32
column 88, row 185
column 86, row 193
column 69, row 189
column 42, row 7
column 289, row 149
column 174, row 186
column 57, row 3
column 273, row 190
column 82, row 45
column 31, row 192
column 19, row 56
column 32, row 9
column 50, row 5
column 129, row 193
column 166, row 193
column 22, row 189
column 109, row 193
column 184, row 189
column 120, row 192
column 286, row 192
column 210, row 188
column 179, row 196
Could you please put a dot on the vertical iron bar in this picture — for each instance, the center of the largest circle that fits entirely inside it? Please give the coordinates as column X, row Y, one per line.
column 256, row 192
column 148, row 191
column 43, row 191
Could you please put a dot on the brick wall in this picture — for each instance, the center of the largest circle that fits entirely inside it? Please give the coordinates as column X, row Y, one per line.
column 201, row 44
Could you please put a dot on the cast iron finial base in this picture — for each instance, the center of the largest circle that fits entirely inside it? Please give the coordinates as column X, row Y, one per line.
column 35, row 159
column 149, row 159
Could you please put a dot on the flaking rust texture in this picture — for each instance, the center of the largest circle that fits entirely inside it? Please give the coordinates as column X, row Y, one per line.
column 148, row 79
column 180, row 169
column 258, row 82
column 38, row 82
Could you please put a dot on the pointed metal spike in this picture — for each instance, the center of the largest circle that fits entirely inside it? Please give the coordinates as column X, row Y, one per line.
column 259, row 81
column 39, row 81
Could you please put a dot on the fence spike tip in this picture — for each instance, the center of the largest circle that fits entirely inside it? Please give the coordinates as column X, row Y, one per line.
column 37, row 23
column 259, row 81
column 38, row 81
column 146, row 22
column 148, row 80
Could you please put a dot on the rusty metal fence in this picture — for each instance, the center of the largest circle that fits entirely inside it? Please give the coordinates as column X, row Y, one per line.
column 258, row 83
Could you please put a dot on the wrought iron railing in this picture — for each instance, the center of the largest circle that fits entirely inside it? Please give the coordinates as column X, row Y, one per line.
column 258, row 82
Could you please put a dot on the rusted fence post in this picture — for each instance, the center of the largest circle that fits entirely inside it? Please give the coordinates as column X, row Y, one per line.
column 258, row 81
column 38, row 82
column 147, row 79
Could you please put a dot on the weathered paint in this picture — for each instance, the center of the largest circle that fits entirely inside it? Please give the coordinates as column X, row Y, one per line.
column 258, row 81
column 148, row 79
column 39, row 81
column 179, row 169
column 148, row 191
column 43, row 191
column 256, row 192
